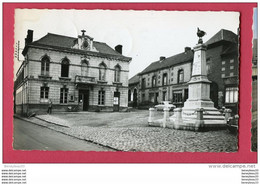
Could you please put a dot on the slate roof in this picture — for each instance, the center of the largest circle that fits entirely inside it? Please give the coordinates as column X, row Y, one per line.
column 223, row 35
column 65, row 42
column 133, row 80
column 230, row 49
column 170, row 61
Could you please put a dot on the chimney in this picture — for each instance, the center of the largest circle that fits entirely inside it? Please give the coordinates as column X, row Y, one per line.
column 187, row 49
column 29, row 37
column 162, row 58
column 118, row 48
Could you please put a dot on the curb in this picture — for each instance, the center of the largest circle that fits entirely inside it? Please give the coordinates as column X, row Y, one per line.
column 26, row 119
column 52, row 122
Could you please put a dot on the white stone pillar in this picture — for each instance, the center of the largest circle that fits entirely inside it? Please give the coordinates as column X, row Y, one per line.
column 166, row 116
column 178, row 119
column 151, row 115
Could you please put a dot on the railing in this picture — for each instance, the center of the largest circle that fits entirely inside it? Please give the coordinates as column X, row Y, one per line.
column 84, row 79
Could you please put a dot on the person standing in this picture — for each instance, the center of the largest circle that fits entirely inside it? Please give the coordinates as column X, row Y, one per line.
column 49, row 107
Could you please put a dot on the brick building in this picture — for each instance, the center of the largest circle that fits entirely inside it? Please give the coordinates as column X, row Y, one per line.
column 73, row 73
column 166, row 79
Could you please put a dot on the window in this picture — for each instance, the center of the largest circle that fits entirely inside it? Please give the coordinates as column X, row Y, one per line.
column 223, row 69
column 63, row 95
column 232, row 61
column 143, row 83
column 231, row 67
column 222, row 75
column 117, row 74
column 177, row 96
column 231, row 95
column 143, row 97
column 102, row 72
column 153, row 81
column 101, row 97
column 223, row 62
column 45, row 65
column 84, row 68
column 44, row 93
column 65, row 68
column 180, row 76
column 231, row 74
column 164, row 82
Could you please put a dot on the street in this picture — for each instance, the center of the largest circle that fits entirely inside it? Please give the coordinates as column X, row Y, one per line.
column 28, row 136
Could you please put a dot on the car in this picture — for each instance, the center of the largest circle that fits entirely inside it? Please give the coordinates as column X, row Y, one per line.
column 164, row 104
column 232, row 124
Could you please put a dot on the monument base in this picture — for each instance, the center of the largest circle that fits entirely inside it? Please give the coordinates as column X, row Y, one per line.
column 188, row 119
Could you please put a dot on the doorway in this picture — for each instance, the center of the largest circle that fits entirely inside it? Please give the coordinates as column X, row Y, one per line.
column 116, row 101
column 84, row 98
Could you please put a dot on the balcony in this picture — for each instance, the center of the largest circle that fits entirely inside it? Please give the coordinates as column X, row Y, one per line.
column 85, row 80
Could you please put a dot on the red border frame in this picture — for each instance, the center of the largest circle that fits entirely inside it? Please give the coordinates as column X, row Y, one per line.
column 244, row 155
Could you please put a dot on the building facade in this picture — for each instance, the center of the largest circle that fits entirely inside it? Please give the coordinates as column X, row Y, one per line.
column 72, row 73
column 167, row 79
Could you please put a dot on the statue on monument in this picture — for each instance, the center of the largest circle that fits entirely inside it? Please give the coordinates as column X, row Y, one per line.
column 200, row 34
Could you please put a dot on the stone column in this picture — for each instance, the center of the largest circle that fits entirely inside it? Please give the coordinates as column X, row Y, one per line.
column 166, row 116
column 151, row 115
column 178, row 119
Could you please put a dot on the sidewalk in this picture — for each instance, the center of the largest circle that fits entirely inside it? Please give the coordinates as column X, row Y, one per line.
column 123, row 131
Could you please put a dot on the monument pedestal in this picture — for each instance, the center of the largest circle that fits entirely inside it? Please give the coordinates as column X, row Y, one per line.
column 199, row 97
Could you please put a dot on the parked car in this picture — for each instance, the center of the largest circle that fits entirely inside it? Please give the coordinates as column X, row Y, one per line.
column 164, row 104
column 232, row 124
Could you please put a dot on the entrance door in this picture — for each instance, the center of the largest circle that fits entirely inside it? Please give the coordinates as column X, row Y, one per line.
column 156, row 98
column 84, row 98
column 116, row 101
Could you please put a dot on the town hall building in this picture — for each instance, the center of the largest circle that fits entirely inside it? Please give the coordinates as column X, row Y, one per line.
column 72, row 73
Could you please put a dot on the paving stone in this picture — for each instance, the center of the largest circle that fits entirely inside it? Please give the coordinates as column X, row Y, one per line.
column 129, row 134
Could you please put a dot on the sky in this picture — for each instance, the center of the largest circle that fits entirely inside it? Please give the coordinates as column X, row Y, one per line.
column 145, row 35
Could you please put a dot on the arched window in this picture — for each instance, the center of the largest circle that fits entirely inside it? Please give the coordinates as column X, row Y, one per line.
column 65, row 67
column 180, row 76
column 117, row 73
column 102, row 72
column 84, row 68
column 45, row 65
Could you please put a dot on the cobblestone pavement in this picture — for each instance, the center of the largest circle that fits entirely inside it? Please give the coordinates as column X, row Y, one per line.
column 130, row 132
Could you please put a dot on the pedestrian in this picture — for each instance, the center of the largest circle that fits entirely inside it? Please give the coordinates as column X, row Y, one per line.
column 49, row 111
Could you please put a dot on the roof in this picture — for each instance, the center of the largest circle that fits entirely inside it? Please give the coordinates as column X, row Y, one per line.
column 170, row 61
column 134, row 79
column 230, row 49
column 223, row 35
column 65, row 42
